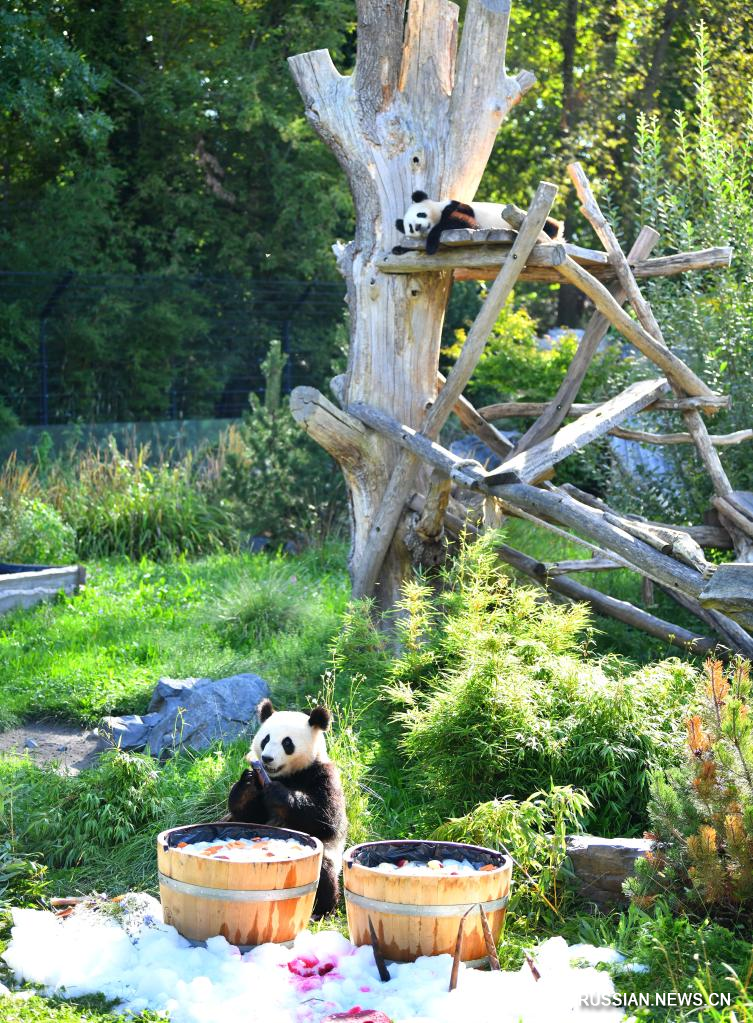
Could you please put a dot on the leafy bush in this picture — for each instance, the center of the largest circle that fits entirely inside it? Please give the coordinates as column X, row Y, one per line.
column 101, row 824
column 702, row 813
column 533, row 832
column 283, row 486
column 495, row 697
column 32, row 531
column 121, row 505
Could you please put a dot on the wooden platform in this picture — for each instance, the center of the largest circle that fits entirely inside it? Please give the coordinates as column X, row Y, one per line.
column 479, row 255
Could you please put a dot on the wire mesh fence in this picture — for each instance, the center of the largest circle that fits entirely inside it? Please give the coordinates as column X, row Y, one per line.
column 85, row 347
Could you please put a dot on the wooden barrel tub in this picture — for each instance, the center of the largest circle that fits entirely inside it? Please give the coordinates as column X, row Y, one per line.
column 420, row 915
column 247, row 903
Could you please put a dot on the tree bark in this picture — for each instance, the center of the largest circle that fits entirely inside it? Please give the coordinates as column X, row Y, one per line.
column 419, row 112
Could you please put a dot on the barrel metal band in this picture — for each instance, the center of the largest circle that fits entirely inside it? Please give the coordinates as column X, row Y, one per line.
column 236, row 894
column 407, row 909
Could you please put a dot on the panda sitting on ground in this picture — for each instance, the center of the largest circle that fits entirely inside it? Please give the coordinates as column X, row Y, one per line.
column 426, row 218
column 304, row 792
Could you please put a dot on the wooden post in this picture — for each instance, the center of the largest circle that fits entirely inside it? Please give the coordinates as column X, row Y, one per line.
column 418, row 112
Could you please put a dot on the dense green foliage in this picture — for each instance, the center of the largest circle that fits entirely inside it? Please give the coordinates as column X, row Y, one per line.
column 694, row 184
column 520, row 704
column 153, row 138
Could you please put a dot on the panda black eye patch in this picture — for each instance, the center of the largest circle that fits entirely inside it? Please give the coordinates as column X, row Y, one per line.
column 264, row 741
column 424, row 215
column 288, row 746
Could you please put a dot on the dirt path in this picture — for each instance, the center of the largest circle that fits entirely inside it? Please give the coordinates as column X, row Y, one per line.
column 48, row 741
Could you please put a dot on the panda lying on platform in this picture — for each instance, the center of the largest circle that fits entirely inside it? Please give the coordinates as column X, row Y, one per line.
column 426, row 218
column 303, row 791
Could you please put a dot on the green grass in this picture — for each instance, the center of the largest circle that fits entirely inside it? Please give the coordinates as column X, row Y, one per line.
column 102, row 652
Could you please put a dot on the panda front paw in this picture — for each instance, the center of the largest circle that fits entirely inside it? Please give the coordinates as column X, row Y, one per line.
column 276, row 797
column 243, row 797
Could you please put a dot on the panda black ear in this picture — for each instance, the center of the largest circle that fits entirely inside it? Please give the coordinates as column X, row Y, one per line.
column 400, row 225
column 264, row 710
column 320, row 717
column 419, row 196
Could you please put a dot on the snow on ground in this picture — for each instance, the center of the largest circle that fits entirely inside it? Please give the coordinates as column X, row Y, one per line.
column 145, row 964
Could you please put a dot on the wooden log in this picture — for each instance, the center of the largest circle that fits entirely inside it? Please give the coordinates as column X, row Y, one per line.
column 732, row 634
column 581, row 565
column 403, row 475
column 591, row 523
column 704, row 536
column 526, row 409
column 675, row 543
column 736, row 638
column 719, row 440
column 658, row 353
column 730, row 589
column 556, row 411
column 431, row 521
column 544, row 504
column 541, row 256
column 743, row 501
column 728, row 511
column 530, row 465
column 603, row 604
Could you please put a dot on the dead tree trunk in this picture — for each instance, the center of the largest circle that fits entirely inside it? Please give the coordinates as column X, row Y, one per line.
column 414, row 114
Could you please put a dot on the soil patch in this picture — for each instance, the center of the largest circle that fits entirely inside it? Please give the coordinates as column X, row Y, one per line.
column 46, row 742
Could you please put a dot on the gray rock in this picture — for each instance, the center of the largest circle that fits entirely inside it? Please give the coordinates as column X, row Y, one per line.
column 601, row 865
column 192, row 712
column 31, row 744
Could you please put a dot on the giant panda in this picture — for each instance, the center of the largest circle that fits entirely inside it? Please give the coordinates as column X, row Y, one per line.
column 427, row 218
column 304, row 791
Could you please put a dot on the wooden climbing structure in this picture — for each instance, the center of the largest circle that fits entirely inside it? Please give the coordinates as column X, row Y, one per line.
column 391, row 124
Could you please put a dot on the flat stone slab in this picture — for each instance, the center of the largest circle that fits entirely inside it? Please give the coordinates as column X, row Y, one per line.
column 190, row 712
column 601, row 865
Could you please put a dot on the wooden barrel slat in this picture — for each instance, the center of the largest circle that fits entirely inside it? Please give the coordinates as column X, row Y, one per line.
column 199, row 916
column 404, row 935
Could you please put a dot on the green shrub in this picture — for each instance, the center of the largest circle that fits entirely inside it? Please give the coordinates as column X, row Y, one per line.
column 702, row 812
column 283, row 486
column 100, row 826
column 23, row 880
column 252, row 609
column 121, row 505
column 32, row 531
column 506, row 703
column 533, row 832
